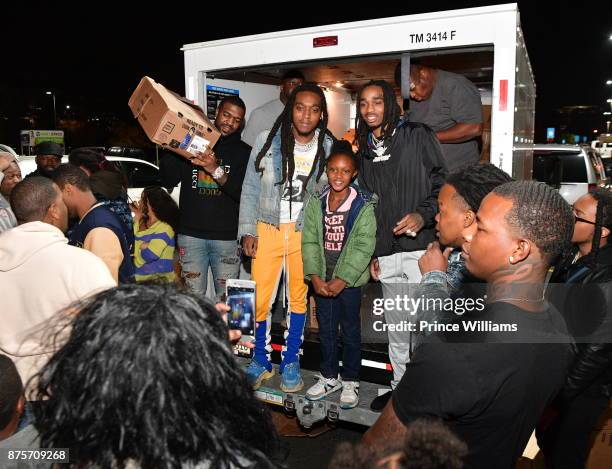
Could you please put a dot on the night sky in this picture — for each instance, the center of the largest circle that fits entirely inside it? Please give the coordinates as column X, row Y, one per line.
column 93, row 61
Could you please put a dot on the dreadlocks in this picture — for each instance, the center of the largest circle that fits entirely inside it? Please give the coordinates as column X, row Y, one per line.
column 284, row 122
column 390, row 119
column 603, row 219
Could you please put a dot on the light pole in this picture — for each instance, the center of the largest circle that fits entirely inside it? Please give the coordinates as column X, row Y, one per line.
column 54, row 113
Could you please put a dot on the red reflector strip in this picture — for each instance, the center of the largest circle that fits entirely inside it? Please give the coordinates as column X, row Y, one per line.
column 325, row 41
column 503, row 95
column 368, row 363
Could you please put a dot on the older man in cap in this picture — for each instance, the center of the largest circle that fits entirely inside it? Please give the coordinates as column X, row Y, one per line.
column 10, row 176
column 48, row 158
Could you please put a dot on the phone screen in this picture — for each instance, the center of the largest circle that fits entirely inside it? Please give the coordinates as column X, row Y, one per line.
column 241, row 315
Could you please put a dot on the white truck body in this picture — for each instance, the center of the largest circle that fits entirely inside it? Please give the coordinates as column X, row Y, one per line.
column 490, row 37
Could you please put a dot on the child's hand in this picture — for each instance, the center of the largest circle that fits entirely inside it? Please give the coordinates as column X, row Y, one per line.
column 335, row 286
column 375, row 269
column 320, row 287
column 136, row 208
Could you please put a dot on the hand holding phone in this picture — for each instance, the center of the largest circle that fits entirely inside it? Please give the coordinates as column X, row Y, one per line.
column 241, row 303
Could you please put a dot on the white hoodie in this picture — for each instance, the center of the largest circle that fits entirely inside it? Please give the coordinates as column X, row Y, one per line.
column 41, row 275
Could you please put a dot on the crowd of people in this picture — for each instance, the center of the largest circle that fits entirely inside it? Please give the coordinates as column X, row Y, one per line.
column 110, row 347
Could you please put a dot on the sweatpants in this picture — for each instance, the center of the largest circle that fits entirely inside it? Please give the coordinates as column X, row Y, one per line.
column 399, row 274
column 278, row 249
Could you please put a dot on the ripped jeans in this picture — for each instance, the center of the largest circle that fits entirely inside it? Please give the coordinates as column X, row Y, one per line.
column 197, row 255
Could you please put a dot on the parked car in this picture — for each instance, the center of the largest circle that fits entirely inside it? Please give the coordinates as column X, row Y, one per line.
column 572, row 169
column 604, row 146
column 126, row 152
column 138, row 173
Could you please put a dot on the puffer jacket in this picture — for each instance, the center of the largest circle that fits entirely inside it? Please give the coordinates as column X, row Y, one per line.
column 353, row 263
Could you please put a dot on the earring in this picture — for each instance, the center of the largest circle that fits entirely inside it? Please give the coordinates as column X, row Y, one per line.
column 511, row 259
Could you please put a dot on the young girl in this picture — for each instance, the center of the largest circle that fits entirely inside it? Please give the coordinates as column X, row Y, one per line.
column 155, row 222
column 337, row 245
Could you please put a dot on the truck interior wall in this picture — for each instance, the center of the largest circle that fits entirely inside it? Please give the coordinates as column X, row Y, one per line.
column 253, row 94
column 339, row 108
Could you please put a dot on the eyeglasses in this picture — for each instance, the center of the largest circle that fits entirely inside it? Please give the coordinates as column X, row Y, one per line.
column 588, row 222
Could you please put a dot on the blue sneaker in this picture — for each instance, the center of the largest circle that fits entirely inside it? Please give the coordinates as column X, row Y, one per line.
column 256, row 373
column 291, row 379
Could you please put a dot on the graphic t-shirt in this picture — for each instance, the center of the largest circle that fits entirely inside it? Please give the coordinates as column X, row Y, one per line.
column 297, row 189
column 334, row 232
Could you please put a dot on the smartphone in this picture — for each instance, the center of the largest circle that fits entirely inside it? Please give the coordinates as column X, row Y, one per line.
column 241, row 301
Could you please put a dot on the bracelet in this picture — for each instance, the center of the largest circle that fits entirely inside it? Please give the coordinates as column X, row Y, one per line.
column 218, row 173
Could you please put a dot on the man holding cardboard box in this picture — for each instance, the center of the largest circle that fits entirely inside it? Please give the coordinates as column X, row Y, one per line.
column 211, row 183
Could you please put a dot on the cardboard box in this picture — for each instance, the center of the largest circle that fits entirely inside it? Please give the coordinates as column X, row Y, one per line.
column 171, row 121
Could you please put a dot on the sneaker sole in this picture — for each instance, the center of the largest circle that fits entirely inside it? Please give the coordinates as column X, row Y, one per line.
column 264, row 376
column 349, row 406
column 318, row 398
column 296, row 388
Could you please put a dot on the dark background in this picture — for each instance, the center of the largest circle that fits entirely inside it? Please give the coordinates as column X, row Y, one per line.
column 92, row 56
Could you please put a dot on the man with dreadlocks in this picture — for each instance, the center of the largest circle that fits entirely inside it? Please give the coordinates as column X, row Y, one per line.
column 285, row 167
column 402, row 163
column 588, row 386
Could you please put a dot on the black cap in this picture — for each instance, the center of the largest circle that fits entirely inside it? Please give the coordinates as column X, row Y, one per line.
column 49, row 148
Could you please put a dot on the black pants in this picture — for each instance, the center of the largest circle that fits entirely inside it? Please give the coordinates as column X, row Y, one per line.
column 566, row 442
column 344, row 310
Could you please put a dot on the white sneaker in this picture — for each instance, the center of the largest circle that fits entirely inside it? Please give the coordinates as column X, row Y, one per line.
column 322, row 388
column 350, row 394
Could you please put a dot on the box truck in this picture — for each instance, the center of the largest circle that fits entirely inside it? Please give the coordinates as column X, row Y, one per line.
column 484, row 44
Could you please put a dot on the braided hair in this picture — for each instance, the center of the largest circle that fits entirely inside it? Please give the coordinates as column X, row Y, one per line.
column 391, row 116
column 284, row 122
column 539, row 213
column 603, row 219
column 474, row 181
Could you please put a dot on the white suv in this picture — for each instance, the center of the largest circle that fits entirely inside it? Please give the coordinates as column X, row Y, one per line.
column 572, row 169
column 139, row 173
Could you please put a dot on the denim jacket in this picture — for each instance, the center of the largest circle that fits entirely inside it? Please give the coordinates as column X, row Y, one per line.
column 442, row 285
column 261, row 195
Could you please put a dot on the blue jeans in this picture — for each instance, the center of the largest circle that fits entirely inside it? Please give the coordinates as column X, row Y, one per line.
column 197, row 255
column 343, row 310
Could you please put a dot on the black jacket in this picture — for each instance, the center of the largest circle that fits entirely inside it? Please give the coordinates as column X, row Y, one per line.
column 591, row 371
column 209, row 211
column 409, row 181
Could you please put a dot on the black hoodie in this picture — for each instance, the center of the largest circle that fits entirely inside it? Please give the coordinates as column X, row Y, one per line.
column 407, row 182
column 209, row 211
